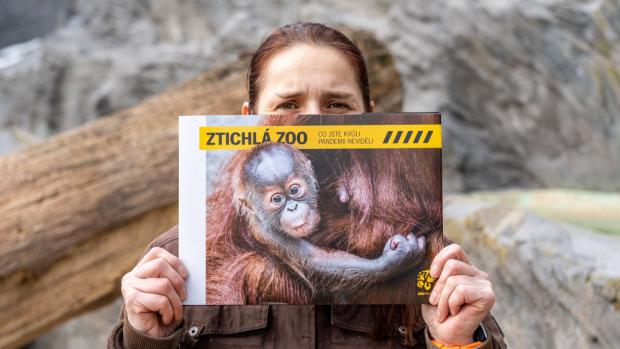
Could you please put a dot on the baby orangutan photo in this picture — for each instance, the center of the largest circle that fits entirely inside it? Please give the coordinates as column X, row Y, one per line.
column 322, row 226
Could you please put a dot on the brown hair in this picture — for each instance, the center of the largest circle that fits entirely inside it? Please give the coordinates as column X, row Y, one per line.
column 306, row 33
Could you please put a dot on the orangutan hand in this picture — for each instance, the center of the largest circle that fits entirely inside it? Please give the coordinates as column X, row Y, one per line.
column 461, row 298
column 153, row 292
column 399, row 249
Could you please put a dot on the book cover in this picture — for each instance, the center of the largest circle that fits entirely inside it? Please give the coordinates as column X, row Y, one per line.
column 309, row 209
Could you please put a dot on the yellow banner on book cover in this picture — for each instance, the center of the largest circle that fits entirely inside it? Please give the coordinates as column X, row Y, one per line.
column 322, row 136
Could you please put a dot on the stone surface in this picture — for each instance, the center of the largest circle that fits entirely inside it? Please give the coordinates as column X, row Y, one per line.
column 598, row 211
column 27, row 19
column 556, row 285
column 90, row 330
column 529, row 89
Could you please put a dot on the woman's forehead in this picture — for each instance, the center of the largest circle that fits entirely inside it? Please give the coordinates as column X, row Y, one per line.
column 304, row 68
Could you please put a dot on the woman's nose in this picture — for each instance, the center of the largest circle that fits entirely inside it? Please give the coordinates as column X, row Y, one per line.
column 312, row 108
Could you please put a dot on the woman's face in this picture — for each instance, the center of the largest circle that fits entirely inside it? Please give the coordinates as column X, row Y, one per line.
column 305, row 79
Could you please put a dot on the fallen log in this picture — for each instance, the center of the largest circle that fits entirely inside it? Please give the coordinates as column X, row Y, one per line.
column 79, row 208
column 64, row 191
column 83, row 280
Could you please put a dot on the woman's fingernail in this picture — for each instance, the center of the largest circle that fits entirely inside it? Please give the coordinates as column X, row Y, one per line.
column 434, row 270
column 432, row 298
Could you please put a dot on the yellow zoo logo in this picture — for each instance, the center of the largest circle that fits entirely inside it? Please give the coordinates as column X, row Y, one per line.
column 425, row 282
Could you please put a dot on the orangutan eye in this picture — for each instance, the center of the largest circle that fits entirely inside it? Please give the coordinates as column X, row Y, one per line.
column 277, row 199
column 294, row 190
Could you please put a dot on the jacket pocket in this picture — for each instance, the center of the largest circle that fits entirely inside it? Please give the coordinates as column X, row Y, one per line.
column 225, row 326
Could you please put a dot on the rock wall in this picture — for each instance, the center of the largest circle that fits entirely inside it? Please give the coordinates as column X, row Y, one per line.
column 556, row 285
column 529, row 89
column 90, row 330
column 27, row 19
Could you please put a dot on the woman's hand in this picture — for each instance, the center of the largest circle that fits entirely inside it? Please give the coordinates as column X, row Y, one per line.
column 462, row 297
column 153, row 292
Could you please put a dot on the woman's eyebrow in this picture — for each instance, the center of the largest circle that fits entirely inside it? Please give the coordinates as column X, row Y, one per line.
column 288, row 94
column 338, row 94
column 328, row 94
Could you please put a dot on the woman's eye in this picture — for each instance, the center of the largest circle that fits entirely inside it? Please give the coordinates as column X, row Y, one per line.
column 294, row 190
column 337, row 105
column 277, row 199
column 287, row 106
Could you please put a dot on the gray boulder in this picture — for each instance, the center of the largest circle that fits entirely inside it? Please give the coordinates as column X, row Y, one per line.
column 556, row 285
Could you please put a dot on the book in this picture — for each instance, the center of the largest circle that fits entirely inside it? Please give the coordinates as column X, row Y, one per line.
column 309, row 209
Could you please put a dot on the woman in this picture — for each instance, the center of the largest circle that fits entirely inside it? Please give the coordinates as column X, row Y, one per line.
column 304, row 68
